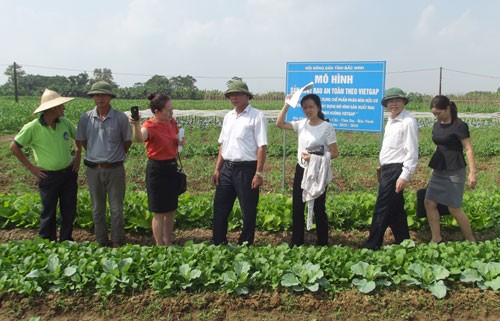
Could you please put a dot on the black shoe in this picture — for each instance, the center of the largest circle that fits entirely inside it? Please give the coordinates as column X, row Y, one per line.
column 370, row 247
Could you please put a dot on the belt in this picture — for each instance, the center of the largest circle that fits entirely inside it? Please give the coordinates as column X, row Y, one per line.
column 172, row 162
column 240, row 164
column 392, row 165
column 109, row 165
column 69, row 168
column 103, row 165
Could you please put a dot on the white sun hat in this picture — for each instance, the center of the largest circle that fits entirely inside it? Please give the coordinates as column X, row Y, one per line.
column 51, row 99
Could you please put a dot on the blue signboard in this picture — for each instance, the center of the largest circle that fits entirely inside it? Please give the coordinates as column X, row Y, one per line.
column 351, row 92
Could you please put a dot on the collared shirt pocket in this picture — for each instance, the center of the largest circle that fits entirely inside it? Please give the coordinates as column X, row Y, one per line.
column 395, row 137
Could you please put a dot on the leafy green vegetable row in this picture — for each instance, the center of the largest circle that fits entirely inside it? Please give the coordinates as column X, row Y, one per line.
column 484, row 140
column 39, row 266
column 345, row 211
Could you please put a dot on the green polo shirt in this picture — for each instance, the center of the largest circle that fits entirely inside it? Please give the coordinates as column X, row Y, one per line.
column 51, row 147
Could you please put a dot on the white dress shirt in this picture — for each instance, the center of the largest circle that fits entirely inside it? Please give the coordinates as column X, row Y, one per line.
column 400, row 144
column 243, row 134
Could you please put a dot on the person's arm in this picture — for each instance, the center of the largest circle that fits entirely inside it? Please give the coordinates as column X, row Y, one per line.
column 140, row 134
column 35, row 170
column 81, row 132
column 411, row 148
column 218, row 166
column 83, row 143
column 331, row 142
column 78, row 156
column 258, row 180
column 334, row 152
column 469, row 152
column 280, row 121
column 126, row 133
column 126, row 145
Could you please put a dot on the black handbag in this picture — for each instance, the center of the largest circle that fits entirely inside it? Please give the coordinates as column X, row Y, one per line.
column 421, row 213
column 182, row 177
column 316, row 150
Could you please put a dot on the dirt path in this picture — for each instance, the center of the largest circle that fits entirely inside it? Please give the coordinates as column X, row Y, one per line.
column 352, row 238
column 416, row 305
column 6, row 138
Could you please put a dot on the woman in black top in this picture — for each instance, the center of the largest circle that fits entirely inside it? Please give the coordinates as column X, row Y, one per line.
column 451, row 136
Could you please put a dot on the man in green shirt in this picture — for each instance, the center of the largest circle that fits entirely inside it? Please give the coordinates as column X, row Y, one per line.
column 49, row 136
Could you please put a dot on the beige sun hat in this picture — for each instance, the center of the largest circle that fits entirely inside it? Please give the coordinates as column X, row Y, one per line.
column 51, row 99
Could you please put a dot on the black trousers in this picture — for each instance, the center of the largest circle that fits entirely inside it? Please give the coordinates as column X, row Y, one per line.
column 58, row 186
column 235, row 180
column 298, row 213
column 389, row 209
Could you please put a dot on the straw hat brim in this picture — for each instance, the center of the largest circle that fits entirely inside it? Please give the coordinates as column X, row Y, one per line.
column 52, row 103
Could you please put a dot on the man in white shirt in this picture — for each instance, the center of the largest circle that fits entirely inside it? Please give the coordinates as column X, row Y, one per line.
column 238, row 171
column 398, row 159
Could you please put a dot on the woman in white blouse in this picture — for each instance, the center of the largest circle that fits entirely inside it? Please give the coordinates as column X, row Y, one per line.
column 314, row 133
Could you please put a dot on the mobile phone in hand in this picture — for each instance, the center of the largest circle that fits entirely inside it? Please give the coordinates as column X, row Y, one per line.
column 134, row 111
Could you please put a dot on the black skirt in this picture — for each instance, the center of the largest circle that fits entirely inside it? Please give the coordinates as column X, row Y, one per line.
column 162, row 185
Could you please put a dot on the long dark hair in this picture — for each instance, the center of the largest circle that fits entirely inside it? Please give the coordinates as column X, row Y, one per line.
column 315, row 98
column 158, row 101
column 442, row 102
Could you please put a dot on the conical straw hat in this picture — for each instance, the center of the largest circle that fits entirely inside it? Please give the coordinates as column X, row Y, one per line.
column 51, row 99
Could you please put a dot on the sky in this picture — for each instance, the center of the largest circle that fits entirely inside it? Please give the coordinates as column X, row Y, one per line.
column 214, row 40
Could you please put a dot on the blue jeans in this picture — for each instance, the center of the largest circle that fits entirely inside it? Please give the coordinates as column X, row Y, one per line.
column 59, row 186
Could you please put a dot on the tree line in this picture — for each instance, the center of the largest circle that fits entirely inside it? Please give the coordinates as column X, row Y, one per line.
column 178, row 87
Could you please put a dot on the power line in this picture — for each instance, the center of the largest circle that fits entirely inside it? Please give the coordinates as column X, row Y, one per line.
column 249, row 77
column 408, row 71
column 149, row 75
column 212, row 77
column 472, row 74
column 82, row 70
column 246, row 77
column 54, row 68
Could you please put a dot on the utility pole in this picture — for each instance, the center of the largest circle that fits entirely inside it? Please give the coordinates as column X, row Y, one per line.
column 440, row 78
column 14, row 79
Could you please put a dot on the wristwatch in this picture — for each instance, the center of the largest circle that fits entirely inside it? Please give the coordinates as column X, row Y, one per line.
column 259, row 174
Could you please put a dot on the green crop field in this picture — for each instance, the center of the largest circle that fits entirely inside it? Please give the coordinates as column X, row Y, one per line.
column 14, row 114
column 437, row 277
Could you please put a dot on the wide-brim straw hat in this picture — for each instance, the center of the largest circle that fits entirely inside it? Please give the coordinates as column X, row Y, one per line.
column 238, row 86
column 51, row 99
